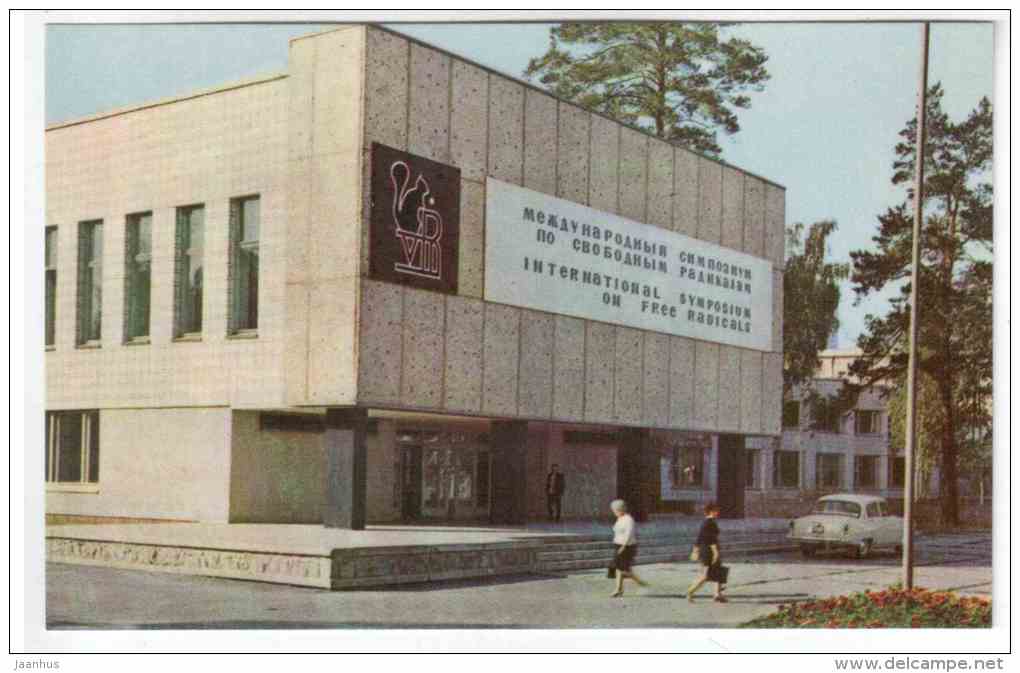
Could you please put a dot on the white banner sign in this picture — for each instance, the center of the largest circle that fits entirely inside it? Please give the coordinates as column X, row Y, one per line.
column 553, row 255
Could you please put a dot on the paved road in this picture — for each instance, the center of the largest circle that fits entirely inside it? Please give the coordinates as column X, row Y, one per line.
column 90, row 597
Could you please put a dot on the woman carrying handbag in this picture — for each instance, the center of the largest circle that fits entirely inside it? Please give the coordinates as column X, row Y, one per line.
column 706, row 550
column 625, row 539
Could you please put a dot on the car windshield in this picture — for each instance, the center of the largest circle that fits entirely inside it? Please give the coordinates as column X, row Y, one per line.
column 841, row 507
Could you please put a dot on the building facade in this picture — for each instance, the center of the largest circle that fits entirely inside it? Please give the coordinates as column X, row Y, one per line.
column 391, row 285
column 822, row 451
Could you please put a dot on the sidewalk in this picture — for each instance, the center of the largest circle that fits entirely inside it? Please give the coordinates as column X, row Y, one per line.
column 83, row 597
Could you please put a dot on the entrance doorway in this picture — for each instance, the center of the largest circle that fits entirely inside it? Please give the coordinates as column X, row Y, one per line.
column 445, row 476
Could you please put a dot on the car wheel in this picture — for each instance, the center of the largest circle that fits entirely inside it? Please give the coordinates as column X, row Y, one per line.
column 864, row 549
column 807, row 550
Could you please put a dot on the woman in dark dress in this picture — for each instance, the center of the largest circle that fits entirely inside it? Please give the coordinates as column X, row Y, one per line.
column 706, row 550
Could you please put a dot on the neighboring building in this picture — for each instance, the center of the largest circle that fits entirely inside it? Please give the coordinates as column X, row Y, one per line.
column 821, row 453
column 391, row 285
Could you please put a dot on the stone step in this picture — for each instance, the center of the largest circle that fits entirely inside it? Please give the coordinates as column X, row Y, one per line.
column 606, row 552
column 648, row 559
column 659, row 541
column 605, row 543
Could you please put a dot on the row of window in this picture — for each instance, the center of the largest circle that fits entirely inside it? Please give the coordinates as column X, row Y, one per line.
column 866, row 422
column 189, row 260
column 72, row 447
column 687, row 469
column 829, row 472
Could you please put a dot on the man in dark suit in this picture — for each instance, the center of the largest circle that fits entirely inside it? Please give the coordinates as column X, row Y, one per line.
column 555, row 484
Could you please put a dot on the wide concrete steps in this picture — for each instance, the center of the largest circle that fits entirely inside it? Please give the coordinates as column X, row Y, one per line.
column 588, row 555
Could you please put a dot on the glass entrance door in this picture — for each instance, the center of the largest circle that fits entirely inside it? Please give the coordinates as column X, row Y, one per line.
column 453, row 476
column 410, row 481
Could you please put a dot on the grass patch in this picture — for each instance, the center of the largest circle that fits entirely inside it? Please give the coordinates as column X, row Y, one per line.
column 891, row 608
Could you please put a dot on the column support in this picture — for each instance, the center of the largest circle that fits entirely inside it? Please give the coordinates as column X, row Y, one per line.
column 508, row 489
column 638, row 480
column 346, row 473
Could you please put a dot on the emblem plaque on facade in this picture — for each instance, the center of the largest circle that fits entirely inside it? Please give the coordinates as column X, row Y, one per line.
column 415, row 220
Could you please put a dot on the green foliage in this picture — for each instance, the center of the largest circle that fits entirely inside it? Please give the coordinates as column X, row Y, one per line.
column 929, row 423
column 974, row 438
column 810, row 299
column 680, row 81
column 826, row 412
column 891, row 608
column 955, row 323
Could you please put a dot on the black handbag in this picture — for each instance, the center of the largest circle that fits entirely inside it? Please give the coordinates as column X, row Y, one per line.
column 718, row 573
column 611, row 572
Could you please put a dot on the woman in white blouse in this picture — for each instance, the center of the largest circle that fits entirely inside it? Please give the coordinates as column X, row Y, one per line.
column 625, row 539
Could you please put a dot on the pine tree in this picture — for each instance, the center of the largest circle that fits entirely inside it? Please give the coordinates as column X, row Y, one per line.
column 680, row 81
column 955, row 324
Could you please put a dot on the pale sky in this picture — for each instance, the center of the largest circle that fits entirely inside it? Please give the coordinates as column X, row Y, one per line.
column 824, row 127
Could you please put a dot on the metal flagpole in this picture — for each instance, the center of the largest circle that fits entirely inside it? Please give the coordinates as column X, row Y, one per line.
column 915, row 279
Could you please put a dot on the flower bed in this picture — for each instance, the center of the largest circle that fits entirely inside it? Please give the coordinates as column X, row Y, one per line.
column 890, row 608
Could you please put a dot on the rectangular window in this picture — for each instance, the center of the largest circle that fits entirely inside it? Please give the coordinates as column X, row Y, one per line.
column 688, row 467
column 188, row 270
column 829, row 470
column 867, row 422
column 786, row 472
column 826, row 418
column 791, row 414
column 137, row 275
column 866, row 471
column 244, row 264
column 753, row 466
column 90, row 282
column 72, row 447
column 51, row 285
column 898, row 468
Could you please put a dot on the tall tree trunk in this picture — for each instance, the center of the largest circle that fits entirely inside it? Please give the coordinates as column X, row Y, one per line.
column 948, row 488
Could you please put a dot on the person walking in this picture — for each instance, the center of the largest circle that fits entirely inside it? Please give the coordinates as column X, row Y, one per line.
column 625, row 539
column 706, row 550
column 555, row 485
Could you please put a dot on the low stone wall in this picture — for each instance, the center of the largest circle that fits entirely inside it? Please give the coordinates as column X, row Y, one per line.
column 777, row 504
column 81, row 519
column 378, row 566
column 342, row 569
column 296, row 569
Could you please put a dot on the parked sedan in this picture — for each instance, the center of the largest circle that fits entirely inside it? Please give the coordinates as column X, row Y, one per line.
column 859, row 523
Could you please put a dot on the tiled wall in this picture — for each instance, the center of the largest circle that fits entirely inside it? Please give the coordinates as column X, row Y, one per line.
column 184, row 475
column 204, row 149
column 323, row 224
column 460, row 354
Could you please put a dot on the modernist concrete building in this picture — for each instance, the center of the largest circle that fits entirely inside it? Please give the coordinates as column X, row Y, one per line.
column 391, row 285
